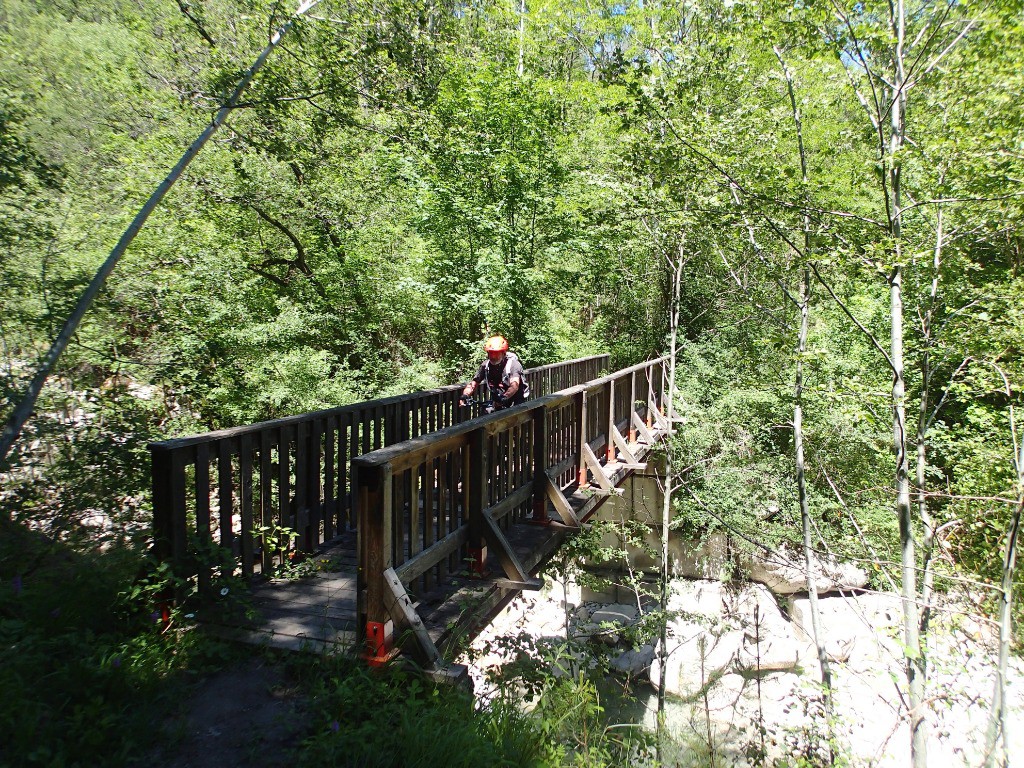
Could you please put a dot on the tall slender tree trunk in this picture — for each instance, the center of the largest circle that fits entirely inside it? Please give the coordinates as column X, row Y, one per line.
column 801, row 484
column 666, row 507
column 915, row 658
column 798, row 429
column 923, row 426
column 521, row 67
column 911, row 630
column 996, row 752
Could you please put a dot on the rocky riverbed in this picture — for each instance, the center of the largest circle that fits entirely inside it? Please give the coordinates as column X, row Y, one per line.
column 743, row 675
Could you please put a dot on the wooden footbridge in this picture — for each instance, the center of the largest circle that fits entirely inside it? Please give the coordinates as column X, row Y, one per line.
column 410, row 521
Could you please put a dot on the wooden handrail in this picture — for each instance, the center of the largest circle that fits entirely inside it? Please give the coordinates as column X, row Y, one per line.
column 245, row 490
column 429, row 506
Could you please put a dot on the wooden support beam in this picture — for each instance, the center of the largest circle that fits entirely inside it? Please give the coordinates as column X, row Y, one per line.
column 405, row 617
column 581, row 422
column 541, row 450
column 626, row 457
column 641, row 428
column 598, row 471
column 518, row 578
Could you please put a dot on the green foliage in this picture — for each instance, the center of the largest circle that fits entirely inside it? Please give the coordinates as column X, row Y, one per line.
column 392, row 718
column 85, row 664
column 560, row 682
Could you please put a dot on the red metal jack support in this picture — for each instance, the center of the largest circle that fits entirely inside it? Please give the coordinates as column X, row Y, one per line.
column 380, row 643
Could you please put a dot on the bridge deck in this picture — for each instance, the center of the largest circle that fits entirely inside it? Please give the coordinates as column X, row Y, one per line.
column 318, row 612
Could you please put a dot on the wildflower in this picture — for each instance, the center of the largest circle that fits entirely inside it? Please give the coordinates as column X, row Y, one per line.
column 155, row 616
column 116, row 662
column 335, row 726
column 16, row 584
column 224, row 591
column 55, row 613
column 190, row 615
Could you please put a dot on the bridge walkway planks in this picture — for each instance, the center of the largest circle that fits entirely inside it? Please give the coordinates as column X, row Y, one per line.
column 318, row 612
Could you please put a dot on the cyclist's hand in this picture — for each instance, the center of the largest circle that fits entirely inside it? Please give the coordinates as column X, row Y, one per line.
column 466, row 401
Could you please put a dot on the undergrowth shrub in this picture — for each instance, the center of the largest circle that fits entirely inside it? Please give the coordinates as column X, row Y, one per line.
column 84, row 670
column 394, row 719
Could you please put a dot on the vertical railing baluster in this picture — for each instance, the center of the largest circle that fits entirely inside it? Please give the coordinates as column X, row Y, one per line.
column 285, row 508
column 441, row 524
column 343, row 522
column 479, row 469
column 314, row 500
column 245, row 503
column 398, row 526
column 204, row 540
column 266, row 520
column 330, row 507
column 227, row 503
column 302, row 459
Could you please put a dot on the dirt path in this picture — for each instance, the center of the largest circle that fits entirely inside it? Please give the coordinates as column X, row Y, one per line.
column 250, row 715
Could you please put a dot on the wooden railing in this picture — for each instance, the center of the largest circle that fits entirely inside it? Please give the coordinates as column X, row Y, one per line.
column 237, row 496
column 430, row 506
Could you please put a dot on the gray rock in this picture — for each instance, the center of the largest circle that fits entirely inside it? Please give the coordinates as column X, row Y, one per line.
column 783, row 572
column 634, row 662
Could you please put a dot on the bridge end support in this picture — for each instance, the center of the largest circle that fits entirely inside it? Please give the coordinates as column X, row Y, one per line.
column 380, row 643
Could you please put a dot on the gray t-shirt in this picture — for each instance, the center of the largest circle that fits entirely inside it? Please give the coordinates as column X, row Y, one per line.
column 499, row 376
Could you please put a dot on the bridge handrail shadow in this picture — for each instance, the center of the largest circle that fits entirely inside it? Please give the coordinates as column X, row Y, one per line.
column 432, row 507
column 240, row 490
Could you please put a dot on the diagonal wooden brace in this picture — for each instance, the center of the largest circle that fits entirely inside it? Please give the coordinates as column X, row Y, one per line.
column 661, row 420
column 641, row 428
column 518, row 578
column 404, row 615
column 626, row 457
column 561, row 505
column 598, row 472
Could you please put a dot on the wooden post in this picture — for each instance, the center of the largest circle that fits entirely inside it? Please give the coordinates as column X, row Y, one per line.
column 479, row 474
column 227, row 504
column 632, row 407
column 203, row 514
column 163, row 505
column 609, row 443
column 581, row 420
column 540, row 466
column 330, row 506
column 245, row 472
column 169, row 525
column 374, row 509
column 266, row 502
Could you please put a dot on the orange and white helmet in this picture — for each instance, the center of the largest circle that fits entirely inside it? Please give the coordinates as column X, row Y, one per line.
column 496, row 344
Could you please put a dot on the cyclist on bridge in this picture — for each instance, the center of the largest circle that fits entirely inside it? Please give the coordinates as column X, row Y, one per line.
column 503, row 373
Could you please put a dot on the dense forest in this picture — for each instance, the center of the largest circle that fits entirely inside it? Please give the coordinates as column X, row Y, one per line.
column 839, row 187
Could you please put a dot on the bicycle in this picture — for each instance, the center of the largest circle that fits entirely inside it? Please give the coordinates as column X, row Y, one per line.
column 481, row 407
